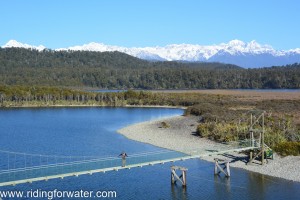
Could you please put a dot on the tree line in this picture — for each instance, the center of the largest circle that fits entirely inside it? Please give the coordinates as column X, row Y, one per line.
column 15, row 96
column 115, row 70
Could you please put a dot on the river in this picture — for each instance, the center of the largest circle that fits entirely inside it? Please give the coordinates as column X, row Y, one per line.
column 91, row 131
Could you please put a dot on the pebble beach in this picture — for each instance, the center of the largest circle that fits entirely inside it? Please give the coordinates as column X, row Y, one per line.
column 180, row 135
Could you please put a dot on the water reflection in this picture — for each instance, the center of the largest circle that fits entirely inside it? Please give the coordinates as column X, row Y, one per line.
column 178, row 192
column 220, row 182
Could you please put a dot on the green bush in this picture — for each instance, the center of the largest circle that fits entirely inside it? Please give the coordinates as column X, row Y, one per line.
column 222, row 132
column 288, row 148
column 205, row 108
column 165, row 125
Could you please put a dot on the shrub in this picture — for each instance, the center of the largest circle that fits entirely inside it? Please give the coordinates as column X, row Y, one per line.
column 207, row 117
column 222, row 132
column 165, row 125
column 288, row 148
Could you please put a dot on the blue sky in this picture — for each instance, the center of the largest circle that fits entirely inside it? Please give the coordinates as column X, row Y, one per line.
column 140, row 23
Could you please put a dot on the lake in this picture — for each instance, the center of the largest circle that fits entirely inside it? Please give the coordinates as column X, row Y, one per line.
column 91, row 131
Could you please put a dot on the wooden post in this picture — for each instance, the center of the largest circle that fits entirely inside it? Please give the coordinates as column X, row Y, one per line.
column 227, row 168
column 252, row 139
column 184, row 178
column 263, row 140
column 216, row 166
column 172, row 176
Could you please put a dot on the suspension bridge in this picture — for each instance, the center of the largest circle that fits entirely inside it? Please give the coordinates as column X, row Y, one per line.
column 18, row 167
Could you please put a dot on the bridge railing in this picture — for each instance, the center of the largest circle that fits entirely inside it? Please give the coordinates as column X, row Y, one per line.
column 217, row 148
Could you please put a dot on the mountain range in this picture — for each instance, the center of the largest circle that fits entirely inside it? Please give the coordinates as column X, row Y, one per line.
column 247, row 55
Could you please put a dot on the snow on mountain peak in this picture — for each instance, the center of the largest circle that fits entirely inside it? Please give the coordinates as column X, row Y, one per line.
column 235, row 43
column 237, row 47
column 187, row 52
column 297, row 51
column 253, row 45
column 14, row 43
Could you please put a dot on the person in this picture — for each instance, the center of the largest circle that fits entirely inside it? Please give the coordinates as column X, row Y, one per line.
column 123, row 156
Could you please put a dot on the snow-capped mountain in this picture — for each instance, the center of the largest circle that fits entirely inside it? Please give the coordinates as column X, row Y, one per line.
column 248, row 55
column 14, row 43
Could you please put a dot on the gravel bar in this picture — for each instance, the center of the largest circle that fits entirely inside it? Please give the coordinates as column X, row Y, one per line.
column 180, row 135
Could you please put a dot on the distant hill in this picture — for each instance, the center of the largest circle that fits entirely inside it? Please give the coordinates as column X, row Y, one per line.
column 116, row 70
column 16, row 57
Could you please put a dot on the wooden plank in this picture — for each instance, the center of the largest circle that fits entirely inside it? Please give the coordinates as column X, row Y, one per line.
column 180, row 168
column 177, row 177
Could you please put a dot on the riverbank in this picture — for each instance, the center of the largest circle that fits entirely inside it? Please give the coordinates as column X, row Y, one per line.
column 181, row 136
column 93, row 105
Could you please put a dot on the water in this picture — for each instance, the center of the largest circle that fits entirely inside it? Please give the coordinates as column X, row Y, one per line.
column 267, row 90
column 107, row 91
column 92, row 132
column 242, row 90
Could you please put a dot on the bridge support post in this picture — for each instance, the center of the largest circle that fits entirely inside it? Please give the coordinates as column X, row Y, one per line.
column 260, row 125
column 175, row 177
column 220, row 167
column 263, row 140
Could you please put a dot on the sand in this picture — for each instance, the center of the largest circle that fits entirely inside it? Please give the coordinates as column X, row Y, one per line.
column 181, row 136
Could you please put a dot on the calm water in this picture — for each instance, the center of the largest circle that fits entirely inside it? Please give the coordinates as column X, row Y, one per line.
column 268, row 90
column 242, row 90
column 106, row 90
column 92, row 131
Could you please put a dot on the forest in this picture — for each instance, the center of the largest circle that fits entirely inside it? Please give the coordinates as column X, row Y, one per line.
column 115, row 70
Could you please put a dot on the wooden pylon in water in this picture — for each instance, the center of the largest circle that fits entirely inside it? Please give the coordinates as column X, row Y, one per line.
column 181, row 178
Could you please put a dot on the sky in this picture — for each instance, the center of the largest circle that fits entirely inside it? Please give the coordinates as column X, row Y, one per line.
column 141, row 23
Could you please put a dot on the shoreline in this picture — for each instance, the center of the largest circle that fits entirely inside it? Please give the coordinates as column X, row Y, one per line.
column 180, row 136
column 93, row 105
